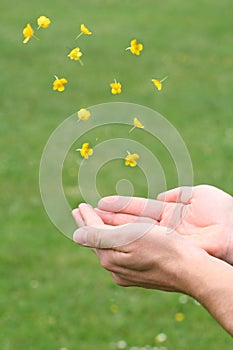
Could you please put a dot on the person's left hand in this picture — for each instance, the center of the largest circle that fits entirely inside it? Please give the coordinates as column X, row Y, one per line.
column 139, row 254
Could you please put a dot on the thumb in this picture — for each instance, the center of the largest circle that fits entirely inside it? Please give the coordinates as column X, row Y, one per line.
column 112, row 236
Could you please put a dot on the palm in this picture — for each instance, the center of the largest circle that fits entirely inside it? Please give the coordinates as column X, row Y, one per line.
column 204, row 217
column 203, row 214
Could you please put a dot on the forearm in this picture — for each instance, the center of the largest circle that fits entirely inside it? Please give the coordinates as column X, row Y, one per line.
column 211, row 283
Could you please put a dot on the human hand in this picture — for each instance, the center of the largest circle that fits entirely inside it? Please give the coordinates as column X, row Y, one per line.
column 138, row 254
column 203, row 214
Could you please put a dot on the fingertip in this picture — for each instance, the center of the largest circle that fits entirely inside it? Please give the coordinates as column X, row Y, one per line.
column 80, row 236
column 107, row 200
column 75, row 212
column 84, row 205
column 161, row 196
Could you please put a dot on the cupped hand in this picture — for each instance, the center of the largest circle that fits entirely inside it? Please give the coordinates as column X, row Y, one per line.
column 138, row 254
column 203, row 214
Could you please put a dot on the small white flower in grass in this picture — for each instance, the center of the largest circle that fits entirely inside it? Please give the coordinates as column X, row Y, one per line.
column 161, row 338
column 183, row 299
column 34, row 284
column 121, row 344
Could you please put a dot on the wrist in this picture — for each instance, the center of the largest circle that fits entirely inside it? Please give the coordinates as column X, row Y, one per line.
column 209, row 280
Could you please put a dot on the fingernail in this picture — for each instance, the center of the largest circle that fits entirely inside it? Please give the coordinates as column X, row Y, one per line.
column 80, row 236
column 74, row 211
column 161, row 196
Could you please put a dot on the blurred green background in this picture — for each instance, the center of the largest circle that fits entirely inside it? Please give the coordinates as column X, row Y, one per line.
column 53, row 294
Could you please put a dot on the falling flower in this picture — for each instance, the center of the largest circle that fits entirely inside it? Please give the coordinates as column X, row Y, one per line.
column 85, row 151
column 158, row 83
column 137, row 124
column 115, row 87
column 28, row 32
column 130, row 159
column 75, row 54
column 83, row 114
column 43, row 22
column 84, row 30
column 135, row 47
column 58, row 84
column 179, row 316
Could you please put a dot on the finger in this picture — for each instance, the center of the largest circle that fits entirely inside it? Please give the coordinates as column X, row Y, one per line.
column 78, row 218
column 116, row 219
column 111, row 237
column 179, row 195
column 88, row 215
column 133, row 206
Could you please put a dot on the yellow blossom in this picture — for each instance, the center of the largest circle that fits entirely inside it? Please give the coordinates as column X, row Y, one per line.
column 84, row 30
column 28, row 32
column 75, row 55
column 158, row 83
column 115, row 87
column 137, row 124
column 179, row 316
column 83, row 114
column 43, row 22
column 85, row 151
column 135, row 47
column 58, row 84
column 130, row 159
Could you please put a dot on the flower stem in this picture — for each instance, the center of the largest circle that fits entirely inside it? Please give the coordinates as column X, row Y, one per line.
column 132, row 129
column 78, row 36
column 163, row 79
column 81, row 62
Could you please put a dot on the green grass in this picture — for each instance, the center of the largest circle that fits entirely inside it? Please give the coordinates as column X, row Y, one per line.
column 53, row 294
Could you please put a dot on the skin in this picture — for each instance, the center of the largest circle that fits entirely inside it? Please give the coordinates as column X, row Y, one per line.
column 152, row 255
column 202, row 214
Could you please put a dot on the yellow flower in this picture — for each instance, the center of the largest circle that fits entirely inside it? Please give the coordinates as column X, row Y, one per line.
column 83, row 114
column 84, row 30
column 130, row 159
column 158, row 83
column 43, row 22
column 179, row 316
column 58, row 84
column 28, row 32
column 135, row 47
column 85, row 151
column 137, row 124
column 75, row 55
column 115, row 87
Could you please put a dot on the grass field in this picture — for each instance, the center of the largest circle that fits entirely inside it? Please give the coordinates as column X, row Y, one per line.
column 53, row 294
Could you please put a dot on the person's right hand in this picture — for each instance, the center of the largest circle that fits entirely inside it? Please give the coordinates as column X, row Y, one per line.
column 203, row 214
